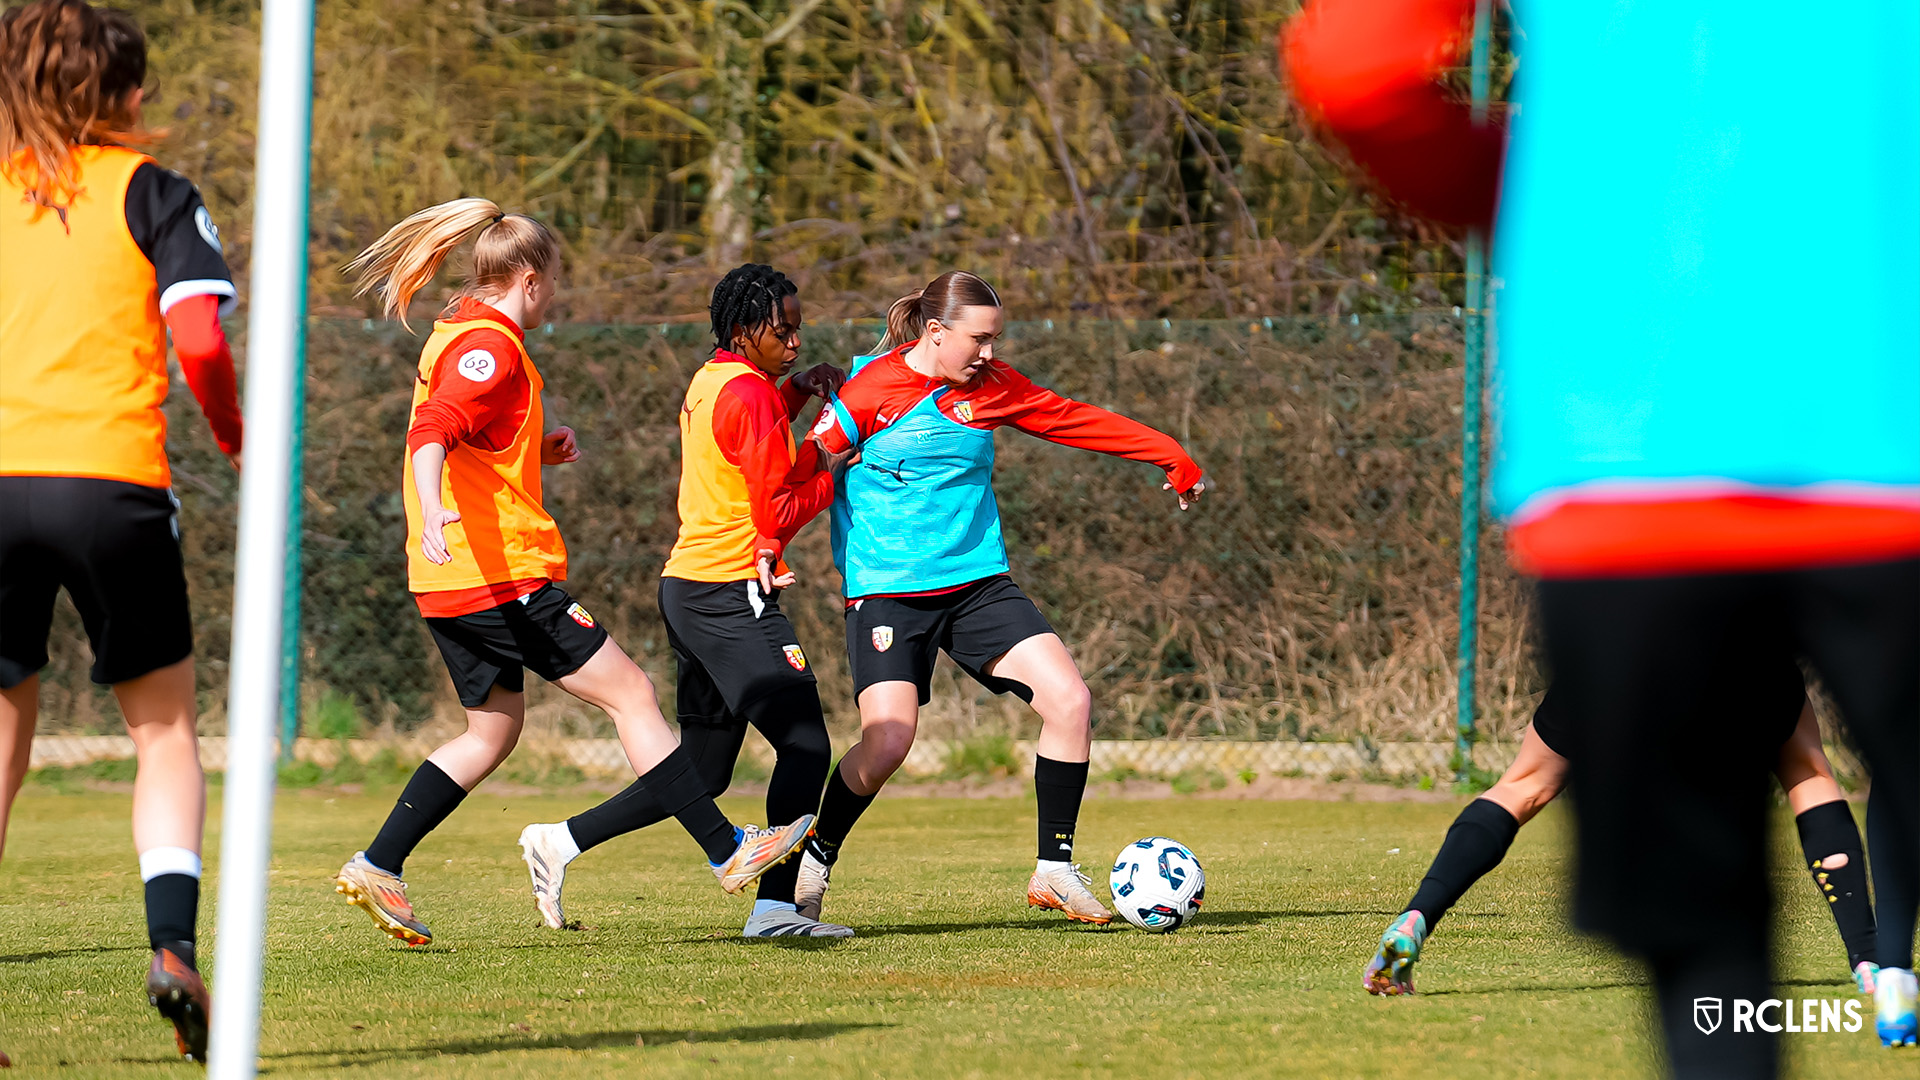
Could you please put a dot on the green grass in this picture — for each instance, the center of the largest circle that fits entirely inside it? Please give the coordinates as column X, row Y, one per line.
column 952, row 976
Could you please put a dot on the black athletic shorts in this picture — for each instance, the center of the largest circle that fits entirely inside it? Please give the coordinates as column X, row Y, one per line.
column 1780, row 685
column 895, row 638
column 732, row 646
column 546, row 630
column 115, row 548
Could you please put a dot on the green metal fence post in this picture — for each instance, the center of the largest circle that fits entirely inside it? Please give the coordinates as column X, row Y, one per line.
column 1474, row 379
column 290, row 601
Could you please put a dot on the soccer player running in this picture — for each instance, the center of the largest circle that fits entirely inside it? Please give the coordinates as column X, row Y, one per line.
column 1703, row 490
column 742, row 498
column 102, row 253
column 484, row 558
column 917, row 541
column 1483, row 832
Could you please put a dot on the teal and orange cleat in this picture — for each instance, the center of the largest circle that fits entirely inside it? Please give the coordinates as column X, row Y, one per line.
column 1390, row 972
column 1894, row 994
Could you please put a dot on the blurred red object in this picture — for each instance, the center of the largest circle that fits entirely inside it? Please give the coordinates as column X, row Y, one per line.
column 1367, row 75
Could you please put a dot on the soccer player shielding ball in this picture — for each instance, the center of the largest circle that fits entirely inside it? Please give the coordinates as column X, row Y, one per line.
column 102, row 253
column 917, row 540
column 743, row 497
column 484, row 558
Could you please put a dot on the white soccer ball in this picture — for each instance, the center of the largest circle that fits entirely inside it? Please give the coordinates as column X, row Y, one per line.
column 1157, row 884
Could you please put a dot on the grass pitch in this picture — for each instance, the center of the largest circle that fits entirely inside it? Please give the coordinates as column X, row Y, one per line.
column 952, row 976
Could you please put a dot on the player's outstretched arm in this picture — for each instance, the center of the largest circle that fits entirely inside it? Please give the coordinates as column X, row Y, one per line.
column 1044, row 414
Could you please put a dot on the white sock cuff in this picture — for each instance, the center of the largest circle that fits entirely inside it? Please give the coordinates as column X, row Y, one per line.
column 1046, row 865
column 569, row 847
column 168, row 860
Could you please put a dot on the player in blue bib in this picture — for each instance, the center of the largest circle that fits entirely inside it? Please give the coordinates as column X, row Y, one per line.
column 916, row 537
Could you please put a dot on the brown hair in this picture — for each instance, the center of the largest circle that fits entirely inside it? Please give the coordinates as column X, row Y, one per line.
column 402, row 262
column 67, row 75
column 943, row 298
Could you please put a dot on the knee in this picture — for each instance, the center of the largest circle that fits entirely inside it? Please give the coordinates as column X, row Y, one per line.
column 1070, row 706
column 884, row 746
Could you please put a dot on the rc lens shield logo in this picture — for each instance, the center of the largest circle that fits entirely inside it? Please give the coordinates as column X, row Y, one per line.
column 882, row 638
column 1797, row 1015
column 795, row 658
column 579, row 615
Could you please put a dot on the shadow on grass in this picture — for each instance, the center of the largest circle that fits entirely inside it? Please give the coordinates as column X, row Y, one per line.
column 1055, row 924
column 581, row 1040
column 58, row 954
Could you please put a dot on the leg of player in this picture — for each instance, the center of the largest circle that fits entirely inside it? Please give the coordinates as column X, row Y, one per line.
column 1830, row 839
column 372, row 879
column 1475, row 844
column 668, row 785
column 169, row 812
column 1043, row 665
column 796, row 727
column 19, row 713
column 889, row 716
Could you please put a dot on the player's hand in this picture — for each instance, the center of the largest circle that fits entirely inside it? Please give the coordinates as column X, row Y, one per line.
column 764, row 561
column 833, row 463
column 433, row 540
column 558, row 447
column 1188, row 497
column 233, row 459
column 821, row 380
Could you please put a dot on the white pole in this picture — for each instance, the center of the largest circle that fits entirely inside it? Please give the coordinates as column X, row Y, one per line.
column 275, row 337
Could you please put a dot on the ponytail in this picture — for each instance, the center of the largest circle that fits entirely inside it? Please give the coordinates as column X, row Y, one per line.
column 943, row 299
column 903, row 322
column 401, row 263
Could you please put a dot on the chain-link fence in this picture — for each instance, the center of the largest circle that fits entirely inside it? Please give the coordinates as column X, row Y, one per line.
column 1311, row 595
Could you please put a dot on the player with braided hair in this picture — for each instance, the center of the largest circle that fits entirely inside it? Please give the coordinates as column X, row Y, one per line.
column 743, row 497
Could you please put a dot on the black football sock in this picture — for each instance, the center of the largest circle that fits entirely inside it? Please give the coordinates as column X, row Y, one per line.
column 796, row 728
column 1896, row 879
column 1058, row 787
column 673, row 789
column 1826, row 831
column 840, row 808
column 430, row 795
column 171, row 879
column 1475, row 844
column 709, row 750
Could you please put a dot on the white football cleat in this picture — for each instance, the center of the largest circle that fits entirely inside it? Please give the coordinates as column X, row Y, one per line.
column 810, row 892
column 759, row 851
column 1062, row 887
column 547, row 849
column 783, row 921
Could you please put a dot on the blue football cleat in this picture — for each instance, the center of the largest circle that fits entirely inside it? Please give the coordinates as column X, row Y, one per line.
column 1893, row 1007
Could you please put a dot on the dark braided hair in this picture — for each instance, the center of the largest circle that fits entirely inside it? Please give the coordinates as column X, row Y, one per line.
column 748, row 297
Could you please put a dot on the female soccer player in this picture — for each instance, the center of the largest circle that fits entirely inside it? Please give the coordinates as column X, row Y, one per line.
column 102, row 253
column 917, row 541
column 484, row 558
column 1483, row 832
column 741, row 500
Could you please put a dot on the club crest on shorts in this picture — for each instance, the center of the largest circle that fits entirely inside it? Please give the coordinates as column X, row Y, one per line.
column 795, row 658
column 882, row 638
column 963, row 412
column 579, row 614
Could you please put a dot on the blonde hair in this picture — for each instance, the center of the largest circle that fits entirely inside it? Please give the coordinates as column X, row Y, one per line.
column 68, row 71
column 402, row 262
column 943, row 298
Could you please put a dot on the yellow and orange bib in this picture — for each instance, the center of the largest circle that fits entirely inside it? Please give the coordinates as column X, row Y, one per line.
column 504, row 533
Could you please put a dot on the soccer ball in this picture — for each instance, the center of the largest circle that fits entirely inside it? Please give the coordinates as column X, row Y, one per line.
column 1157, row 884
